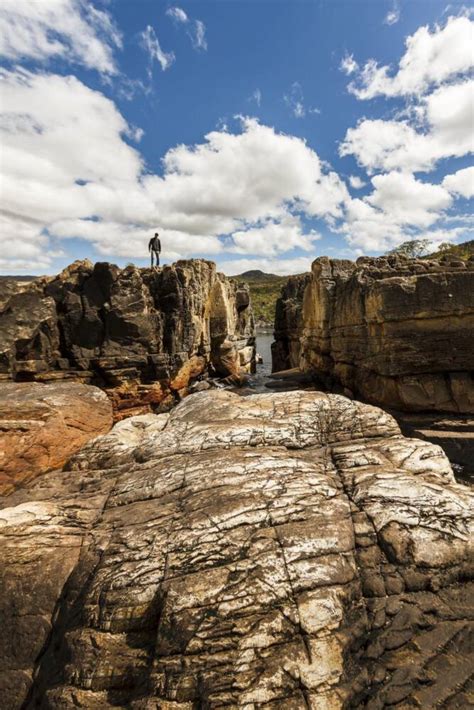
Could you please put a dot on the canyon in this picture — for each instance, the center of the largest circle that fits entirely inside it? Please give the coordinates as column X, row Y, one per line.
column 218, row 548
column 143, row 335
column 393, row 331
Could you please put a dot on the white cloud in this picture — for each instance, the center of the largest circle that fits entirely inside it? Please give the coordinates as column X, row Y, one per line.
column 177, row 14
column 298, row 265
column 67, row 164
column 196, row 29
column 151, row 45
column 273, row 238
column 348, row 64
column 398, row 209
column 393, row 15
column 447, row 132
column 71, row 29
column 408, row 201
column 430, row 58
column 461, row 182
column 356, row 182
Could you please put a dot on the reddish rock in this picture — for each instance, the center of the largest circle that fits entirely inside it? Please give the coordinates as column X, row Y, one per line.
column 41, row 426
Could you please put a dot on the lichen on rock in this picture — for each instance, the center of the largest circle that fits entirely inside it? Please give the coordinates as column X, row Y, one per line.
column 279, row 550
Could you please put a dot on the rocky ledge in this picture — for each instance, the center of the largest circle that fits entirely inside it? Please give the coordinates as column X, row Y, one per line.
column 141, row 334
column 287, row 550
column 393, row 331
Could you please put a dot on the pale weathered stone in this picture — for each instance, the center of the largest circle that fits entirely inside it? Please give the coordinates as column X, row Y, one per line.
column 281, row 550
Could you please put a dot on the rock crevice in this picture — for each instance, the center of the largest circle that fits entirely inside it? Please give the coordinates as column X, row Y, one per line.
column 396, row 332
column 276, row 550
column 142, row 334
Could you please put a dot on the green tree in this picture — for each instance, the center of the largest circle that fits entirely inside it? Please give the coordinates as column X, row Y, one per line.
column 445, row 246
column 412, row 249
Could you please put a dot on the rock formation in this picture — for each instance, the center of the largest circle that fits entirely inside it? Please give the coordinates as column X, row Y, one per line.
column 286, row 349
column 143, row 334
column 393, row 331
column 42, row 426
column 286, row 550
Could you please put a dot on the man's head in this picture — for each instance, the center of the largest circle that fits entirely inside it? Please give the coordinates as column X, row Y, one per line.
column 156, row 234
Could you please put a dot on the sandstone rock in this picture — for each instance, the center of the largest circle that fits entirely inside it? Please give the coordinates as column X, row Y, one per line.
column 281, row 550
column 127, row 329
column 395, row 332
column 42, row 426
column 289, row 324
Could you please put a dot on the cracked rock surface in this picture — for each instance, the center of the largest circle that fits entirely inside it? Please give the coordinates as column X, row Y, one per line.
column 287, row 550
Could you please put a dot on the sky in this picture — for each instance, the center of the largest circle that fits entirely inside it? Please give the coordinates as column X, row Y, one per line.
column 259, row 134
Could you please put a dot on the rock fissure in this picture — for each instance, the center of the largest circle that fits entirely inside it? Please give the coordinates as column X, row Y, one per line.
column 292, row 559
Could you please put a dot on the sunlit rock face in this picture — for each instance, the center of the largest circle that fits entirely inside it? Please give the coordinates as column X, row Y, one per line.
column 41, row 426
column 394, row 331
column 143, row 334
column 287, row 550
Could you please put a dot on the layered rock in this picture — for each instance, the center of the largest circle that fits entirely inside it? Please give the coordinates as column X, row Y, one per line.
column 393, row 331
column 42, row 426
column 143, row 333
column 289, row 550
column 289, row 324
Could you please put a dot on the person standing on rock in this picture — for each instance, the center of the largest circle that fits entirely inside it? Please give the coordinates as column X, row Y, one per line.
column 154, row 247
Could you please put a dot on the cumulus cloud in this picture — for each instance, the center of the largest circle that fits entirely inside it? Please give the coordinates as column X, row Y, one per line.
column 196, row 29
column 408, row 201
column 356, row 182
column 273, row 238
column 69, row 29
column 430, row 58
column 399, row 208
column 461, row 182
column 70, row 164
column 447, row 116
column 151, row 45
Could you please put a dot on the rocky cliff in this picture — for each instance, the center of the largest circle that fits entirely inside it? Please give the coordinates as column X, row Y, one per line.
column 286, row 550
column 393, row 331
column 142, row 334
column 286, row 349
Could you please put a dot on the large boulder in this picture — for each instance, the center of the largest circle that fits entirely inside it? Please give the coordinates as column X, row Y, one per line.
column 280, row 550
column 41, row 426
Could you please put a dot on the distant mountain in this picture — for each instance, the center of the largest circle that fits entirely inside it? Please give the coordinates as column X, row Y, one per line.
column 15, row 277
column 264, row 291
column 258, row 276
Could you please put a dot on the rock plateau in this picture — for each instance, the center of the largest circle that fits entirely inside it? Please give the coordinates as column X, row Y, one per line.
column 287, row 550
column 142, row 334
column 393, row 331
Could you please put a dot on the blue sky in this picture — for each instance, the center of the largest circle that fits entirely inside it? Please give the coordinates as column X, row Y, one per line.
column 258, row 134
